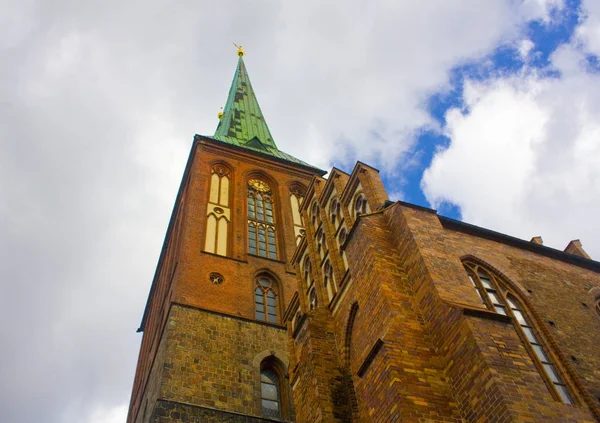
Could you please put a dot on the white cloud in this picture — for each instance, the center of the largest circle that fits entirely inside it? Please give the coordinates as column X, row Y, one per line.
column 374, row 73
column 525, row 46
column 524, row 156
column 543, row 9
column 589, row 31
column 99, row 104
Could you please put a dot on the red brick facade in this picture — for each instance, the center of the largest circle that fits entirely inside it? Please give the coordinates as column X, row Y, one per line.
column 397, row 332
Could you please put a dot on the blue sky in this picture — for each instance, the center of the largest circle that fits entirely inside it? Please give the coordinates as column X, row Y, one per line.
column 506, row 60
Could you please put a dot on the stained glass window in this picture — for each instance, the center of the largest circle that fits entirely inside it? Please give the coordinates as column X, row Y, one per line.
column 261, row 220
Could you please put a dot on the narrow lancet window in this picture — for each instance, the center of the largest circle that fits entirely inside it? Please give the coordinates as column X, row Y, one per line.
column 218, row 213
column 296, row 197
column 499, row 297
column 270, row 394
column 265, row 301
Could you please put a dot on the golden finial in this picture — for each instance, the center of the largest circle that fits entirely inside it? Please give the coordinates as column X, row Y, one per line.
column 241, row 51
column 220, row 114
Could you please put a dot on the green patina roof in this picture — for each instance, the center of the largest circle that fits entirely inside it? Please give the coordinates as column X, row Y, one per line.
column 243, row 123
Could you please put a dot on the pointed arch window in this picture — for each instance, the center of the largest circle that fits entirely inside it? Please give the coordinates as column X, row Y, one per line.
column 312, row 299
column 270, row 393
column 496, row 296
column 265, row 300
column 296, row 197
column 218, row 211
column 261, row 221
column 274, row 389
column 307, row 267
column 328, row 280
column 335, row 213
column 342, row 237
column 321, row 242
column 360, row 205
column 314, row 215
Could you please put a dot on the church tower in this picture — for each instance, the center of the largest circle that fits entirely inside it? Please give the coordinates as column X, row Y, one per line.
column 280, row 295
column 215, row 342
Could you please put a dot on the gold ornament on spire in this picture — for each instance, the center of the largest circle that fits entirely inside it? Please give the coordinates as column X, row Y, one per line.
column 220, row 114
column 240, row 51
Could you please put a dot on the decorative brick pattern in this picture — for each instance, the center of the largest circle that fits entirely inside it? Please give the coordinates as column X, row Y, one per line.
column 420, row 347
column 183, row 277
column 441, row 356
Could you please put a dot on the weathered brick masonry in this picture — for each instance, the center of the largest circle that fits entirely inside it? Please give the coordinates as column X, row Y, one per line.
column 431, row 351
column 366, row 312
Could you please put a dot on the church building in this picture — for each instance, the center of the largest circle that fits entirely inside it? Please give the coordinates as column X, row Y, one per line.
column 282, row 295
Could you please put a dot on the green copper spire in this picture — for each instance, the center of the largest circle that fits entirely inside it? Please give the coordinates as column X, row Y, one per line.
column 242, row 118
column 242, row 122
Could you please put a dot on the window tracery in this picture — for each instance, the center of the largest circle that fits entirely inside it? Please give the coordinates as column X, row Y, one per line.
column 328, row 280
column 360, row 204
column 265, row 300
column 261, row 220
column 496, row 296
column 314, row 215
column 335, row 213
column 218, row 213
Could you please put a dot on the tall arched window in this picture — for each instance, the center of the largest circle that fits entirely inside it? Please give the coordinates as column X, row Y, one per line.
column 265, row 300
column 274, row 390
column 360, row 205
column 296, row 197
column 270, row 393
column 343, row 235
column 314, row 215
column 497, row 296
column 307, row 267
column 321, row 242
column 261, row 221
column 328, row 280
column 335, row 213
column 218, row 213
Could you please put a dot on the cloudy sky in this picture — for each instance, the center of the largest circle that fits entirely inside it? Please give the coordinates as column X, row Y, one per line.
column 487, row 110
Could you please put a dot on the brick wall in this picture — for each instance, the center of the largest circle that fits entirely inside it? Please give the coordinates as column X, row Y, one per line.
column 214, row 360
column 490, row 354
column 190, row 283
column 405, row 338
column 421, row 345
column 211, row 361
